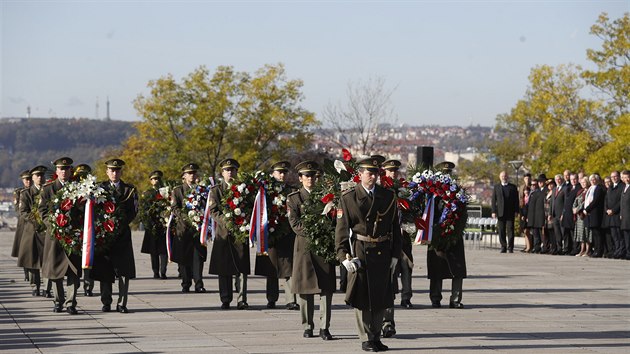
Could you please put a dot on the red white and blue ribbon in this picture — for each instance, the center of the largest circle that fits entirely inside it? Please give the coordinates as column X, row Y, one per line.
column 425, row 231
column 259, row 231
column 169, row 239
column 208, row 222
column 87, row 257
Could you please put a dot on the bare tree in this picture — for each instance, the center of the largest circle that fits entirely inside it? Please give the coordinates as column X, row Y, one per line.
column 358, row 122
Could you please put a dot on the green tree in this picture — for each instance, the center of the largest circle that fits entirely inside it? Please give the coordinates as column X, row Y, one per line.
column 208, row 117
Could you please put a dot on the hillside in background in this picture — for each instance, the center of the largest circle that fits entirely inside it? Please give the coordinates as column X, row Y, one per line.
column 26, row 143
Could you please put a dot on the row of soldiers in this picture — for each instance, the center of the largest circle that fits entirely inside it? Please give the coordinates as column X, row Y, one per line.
column 369, row 244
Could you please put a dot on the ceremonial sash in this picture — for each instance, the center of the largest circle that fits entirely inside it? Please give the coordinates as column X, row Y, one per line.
column 259, row 231
column 169, row 239
column 208, row 222
column 425, row 231
column 87, row 257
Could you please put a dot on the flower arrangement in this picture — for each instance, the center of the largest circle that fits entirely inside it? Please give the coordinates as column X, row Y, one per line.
column 277, row 193
column 195, row 206
column 155, row 206
column 238, row 203
column 451, row 200
column 410, row 209
column 67, row 214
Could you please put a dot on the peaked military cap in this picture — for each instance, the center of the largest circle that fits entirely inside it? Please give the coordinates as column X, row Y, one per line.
column 371, row 163
column 307, row 168
column 115, row 164
column 39, row 170
column 63, row 162
column 25, row 174
column 157, row 174
column 82, row 169
column 190, row 167
column 281, row 166
column 380, row 158
column 391, row 165
column 229, row 163
column 445, row 166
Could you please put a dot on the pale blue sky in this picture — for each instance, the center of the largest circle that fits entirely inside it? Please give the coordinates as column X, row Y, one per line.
column 452, row 62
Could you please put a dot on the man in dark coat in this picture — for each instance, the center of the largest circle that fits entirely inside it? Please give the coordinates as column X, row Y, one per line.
column 536, row 211
column 25, row 177
column 612, row 209
column 594, row 212
column 56, row 264
column 119, row 260
column 505, row 208
column 154, row 241
column 558, row 196
column 311, row 273
column 188, row 251
column 368, row 242
column 624, row 212
column 277, row 263
column 567, row 218
column 32, row 241
column 229, row 258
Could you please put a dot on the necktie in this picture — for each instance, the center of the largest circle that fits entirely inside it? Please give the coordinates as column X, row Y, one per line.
column 370, row 194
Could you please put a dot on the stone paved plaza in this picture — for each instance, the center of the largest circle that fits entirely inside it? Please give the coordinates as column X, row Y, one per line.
column 514, row 303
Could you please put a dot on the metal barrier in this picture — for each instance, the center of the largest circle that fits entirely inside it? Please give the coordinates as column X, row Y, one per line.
column 480, row 230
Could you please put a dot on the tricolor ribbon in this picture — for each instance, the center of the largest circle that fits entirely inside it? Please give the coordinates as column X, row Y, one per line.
column 169, row 239
column 87, row 257
column 208, row 222
column 425, row 231
column 259, row 231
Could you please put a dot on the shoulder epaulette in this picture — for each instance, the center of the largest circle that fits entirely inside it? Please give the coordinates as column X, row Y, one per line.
column 292, row 193
column 351, row 189
column 47, row 184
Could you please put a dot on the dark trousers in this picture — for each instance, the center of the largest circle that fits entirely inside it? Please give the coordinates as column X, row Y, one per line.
column 435, row 290
column 536, row 233
column 506, row 225
column 559, row 236
column 619, row 247
column 88, row 282
column 194, row 272
column 158, row 263
column 567, row 241
column 272, row 289
column 598, row 241
column 626, row 241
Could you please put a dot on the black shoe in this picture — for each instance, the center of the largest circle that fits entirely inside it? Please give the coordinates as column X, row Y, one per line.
column 456, row 305
column 200, row 290
column 225, row 306
column 406, row 304
column 308, row 333
column 156, row 276
column 292, row 306
column 381, row 347
column 436, row 304
column 57, row 309
column 47, row 294
column 271, row 305
column 71, row 310
column 242, row 305
column 122, row 309
column 106, row 308
column 35, row 292
column 511, row 250
column 163, row 276
column 503, row 250
column 389, row 331
column 325, row 334
column 88, row 293
column 369, row 347
column 185, row 290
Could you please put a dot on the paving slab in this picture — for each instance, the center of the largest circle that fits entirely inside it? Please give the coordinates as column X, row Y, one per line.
column 516, row 303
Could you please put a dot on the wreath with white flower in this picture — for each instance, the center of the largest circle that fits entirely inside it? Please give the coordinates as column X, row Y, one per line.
column 276, row 193
column 154, row 211
column 68, row 213
column 451, row 199
column 238, row 203
column 195, row 206
column 410, row 209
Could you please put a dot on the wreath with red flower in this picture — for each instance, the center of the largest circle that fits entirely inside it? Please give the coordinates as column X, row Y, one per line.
column 410, row 209
column 154, row 209
column 238, row 203
column 68, row 212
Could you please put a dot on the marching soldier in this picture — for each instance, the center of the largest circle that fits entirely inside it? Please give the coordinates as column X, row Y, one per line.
column 188, row 252
column 368, row 243
column 311, row 273
column 278, row 264
column 56, row 263
column 32, row 241
column 154, row 241
column 25, row 177
column 228, row 258
column 80, row 172
column 118, row 262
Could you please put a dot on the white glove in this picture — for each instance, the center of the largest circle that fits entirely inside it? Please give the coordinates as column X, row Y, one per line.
column 394, row 262
column 350, row 265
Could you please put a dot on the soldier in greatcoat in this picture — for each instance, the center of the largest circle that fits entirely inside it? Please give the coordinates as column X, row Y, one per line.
column 229, row 259
column 278, row 262
column 56, row 264
column 118, row 261
column 154, row 241
column 80, row 172
column 311, row 273
column 25, row 177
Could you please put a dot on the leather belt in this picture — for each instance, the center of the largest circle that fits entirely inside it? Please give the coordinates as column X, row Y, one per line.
column 372, row 239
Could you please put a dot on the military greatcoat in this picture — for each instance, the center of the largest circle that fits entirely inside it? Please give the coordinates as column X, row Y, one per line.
column 20, row 223
column 311, row 273
column 187, row 237
column 56, row 263
column 119, row 259
column 32, row 241
column 227, row 258
column 154, row 241
column 370, row 288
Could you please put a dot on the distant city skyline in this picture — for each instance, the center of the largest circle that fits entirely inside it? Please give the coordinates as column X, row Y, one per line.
column 451, row 63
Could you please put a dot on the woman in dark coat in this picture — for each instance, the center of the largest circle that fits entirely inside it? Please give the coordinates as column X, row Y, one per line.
column 594, row 211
